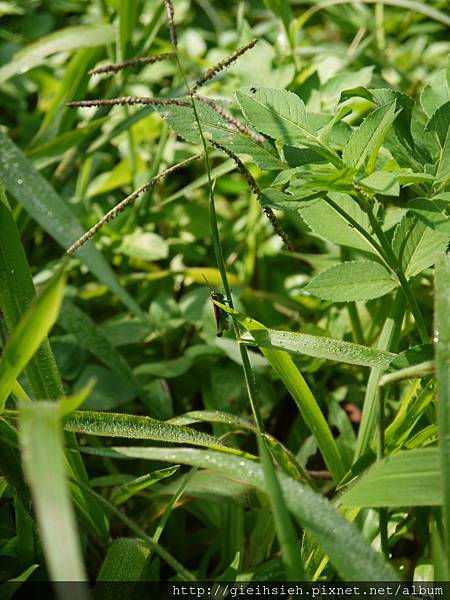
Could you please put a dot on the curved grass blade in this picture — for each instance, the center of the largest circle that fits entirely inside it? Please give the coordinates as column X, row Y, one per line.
column 320, row 347
column 141, row 428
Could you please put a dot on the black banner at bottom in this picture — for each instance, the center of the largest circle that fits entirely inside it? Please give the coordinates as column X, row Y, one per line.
column 208, row 590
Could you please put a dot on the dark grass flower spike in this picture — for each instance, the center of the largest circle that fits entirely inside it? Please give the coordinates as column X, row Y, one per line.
column 126, row 201
column 220, row 66
column 132, row 62
column 129, row 100
column 255, row 189
column 170, row 21
column 256, row 137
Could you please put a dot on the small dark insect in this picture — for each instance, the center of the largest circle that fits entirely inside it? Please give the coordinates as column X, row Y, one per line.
column 221, row 317
column 253, row 90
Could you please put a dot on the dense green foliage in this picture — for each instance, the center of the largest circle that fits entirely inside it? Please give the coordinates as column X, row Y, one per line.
column 308, row 179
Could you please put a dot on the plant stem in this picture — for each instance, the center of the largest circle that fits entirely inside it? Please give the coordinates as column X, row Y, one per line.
column 383, row 513
column 396, row 268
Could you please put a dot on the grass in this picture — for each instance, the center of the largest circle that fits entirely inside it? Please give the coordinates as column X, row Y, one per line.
column 298, row 160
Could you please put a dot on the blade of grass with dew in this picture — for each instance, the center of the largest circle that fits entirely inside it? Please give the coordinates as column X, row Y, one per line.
column 142, row 428
column 320, row 347
column 299, row 390
column 442, row 349
column 129, row 489
column 44, row 469
column 350, row 554
column 283, row 455
column 47, row 208
column 29, row 334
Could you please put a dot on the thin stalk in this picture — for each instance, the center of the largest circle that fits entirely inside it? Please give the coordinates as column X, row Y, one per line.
column 396, row 269
column 286, row 534
column 382, row 512
column 357, row 332
column 379, row 25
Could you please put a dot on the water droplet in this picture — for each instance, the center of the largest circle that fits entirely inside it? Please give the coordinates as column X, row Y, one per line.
column 20, row 181
column 436, row 337
column 242, row 463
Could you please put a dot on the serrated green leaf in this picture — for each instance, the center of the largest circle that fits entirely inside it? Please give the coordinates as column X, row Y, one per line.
column 326, row 221
column 381, row 182
column 351, row 281
column 363, row 147
column 183, row 122
column 283, row 116
column 439, row 122
column 408, row 478
column 417, row 245
column 435, row 93
column 433, row 212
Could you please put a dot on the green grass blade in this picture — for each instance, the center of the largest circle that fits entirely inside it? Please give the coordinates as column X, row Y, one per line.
column 408, row 478
column 47, row 208
column 140, row 428
column 442, row 348
column 65, row 40
column 299, row 390
column 29, row 334
column 321, row 347
column 16, row 294
column 44, row 469
column 350, row 554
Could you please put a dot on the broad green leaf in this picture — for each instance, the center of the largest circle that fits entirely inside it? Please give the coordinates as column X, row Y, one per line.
column 351, row 281
column 416, row 245
column 442, row 349
column 144, row 245
column 64, row 40
column 349, row 553
column 44, row 469
column 216, row 128
column 285, row 368
column 443, row 169
column 433, row 212
column 330, row 221
column 440, row 122
column 283, row 116
column 139, row 428
column 362, row 149
column 435, row 93
column 47, row 208
column 127, row 561
column 321, row 347
column 381, row 182
column 408, row 478
column 31, row 331
column 280, row 200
